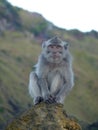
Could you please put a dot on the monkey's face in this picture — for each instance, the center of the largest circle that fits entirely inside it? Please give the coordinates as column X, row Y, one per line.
column 54, row 53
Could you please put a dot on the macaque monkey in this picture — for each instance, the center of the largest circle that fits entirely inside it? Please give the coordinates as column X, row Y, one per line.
column 53, row 78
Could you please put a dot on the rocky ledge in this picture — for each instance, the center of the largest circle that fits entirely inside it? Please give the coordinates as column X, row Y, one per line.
column 44, row 117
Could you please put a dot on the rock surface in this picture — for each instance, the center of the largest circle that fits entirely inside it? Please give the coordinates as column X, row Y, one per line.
column 44, row 117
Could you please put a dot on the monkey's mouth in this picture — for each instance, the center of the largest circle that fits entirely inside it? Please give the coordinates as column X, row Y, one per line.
column 55, row 56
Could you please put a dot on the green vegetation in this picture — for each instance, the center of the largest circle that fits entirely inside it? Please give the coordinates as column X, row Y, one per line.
column 10, row 14
column 33, row 22
column 19, row 51
column 17, row 56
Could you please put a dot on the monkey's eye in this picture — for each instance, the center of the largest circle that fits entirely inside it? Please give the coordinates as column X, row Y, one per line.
column 51, row 46
column 58, row 47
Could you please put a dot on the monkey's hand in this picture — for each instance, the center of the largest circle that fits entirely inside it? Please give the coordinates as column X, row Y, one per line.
column 38, row 100
column 58, row 99
column 49, row 99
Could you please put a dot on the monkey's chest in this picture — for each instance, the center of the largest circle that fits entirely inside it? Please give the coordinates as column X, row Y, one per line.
column 55, row 81
column 55, row 76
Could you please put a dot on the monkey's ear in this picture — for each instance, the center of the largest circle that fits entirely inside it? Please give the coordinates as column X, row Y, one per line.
column 43, row 45
column 66, row 46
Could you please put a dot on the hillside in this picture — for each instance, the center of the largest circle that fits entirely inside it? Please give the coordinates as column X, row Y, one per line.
column 19, row 50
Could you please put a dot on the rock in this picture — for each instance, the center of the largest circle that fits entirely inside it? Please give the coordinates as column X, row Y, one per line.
column 44, row 117
column 93, row 126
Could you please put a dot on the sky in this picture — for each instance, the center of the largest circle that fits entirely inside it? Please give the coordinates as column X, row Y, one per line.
column 67, row 14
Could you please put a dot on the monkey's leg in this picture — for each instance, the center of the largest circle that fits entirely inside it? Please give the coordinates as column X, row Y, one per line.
column 66, row 88
column 34, row 88
column 56, row 80
column 44, row 88
column 55, row 83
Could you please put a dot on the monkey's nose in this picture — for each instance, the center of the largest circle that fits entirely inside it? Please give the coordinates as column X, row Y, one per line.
column 54, row 52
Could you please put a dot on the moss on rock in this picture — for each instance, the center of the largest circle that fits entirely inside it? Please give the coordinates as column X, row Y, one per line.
column 44, row 117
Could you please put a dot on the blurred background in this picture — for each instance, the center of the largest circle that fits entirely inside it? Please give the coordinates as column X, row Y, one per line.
column 21, row 33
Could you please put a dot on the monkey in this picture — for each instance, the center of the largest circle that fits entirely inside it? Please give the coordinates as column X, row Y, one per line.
column 53, row 77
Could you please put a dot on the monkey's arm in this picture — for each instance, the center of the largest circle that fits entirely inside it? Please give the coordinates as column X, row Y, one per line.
column 63, row 92
column 34, row 88
column 67, row 86
column 42, row 72
column 48, row 98
column 44, row 86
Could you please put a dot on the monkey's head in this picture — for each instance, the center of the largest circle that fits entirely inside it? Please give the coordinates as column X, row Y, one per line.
column 54, row 50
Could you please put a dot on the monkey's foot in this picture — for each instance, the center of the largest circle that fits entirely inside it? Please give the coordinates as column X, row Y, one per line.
column 58, row 99
column 38, row 100
column 50, row 100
